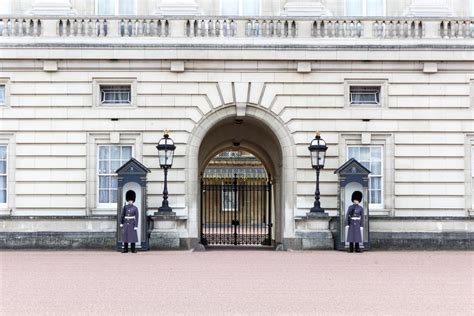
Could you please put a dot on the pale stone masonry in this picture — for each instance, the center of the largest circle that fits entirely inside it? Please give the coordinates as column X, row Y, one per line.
column 284, row 76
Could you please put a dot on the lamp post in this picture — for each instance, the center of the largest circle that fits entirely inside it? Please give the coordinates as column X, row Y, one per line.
column 317, row 149
column 166, row 149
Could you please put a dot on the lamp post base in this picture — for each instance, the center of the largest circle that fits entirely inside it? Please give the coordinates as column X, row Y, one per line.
column 316, row 210
column 165, row 209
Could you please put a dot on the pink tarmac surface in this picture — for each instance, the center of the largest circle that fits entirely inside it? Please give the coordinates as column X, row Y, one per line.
column 236, row 282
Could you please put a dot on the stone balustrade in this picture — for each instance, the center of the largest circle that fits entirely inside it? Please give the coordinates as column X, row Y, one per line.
column 237, row 27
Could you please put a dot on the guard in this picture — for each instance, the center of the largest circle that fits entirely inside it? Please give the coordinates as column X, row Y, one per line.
column 129, row 222
column 355, row 221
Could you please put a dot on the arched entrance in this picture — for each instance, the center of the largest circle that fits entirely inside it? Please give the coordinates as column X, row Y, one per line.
column 236, row 201
column 263, row 135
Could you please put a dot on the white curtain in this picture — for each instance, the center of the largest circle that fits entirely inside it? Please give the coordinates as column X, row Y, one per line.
column 230, row 7
column 250, row 7
column 2, row 94
column 127, row 7
column 3, row 174
column 106, row 7
column 375, row 8
column 354, row 8
column 115, row 94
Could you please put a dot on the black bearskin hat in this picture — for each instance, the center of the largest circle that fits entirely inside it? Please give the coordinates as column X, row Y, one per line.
column 130, row 196
column 356, row 195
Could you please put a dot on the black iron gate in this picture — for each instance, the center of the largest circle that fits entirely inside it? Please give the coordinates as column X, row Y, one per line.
column 236, row 211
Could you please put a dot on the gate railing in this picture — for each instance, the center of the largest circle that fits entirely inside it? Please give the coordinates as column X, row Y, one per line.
column 236, row 211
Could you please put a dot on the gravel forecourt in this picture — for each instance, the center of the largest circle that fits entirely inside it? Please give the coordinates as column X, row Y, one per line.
column 236, row 282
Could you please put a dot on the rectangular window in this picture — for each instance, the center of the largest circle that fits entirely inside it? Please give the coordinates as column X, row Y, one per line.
column 241, row 7
column 2, row 94
column 228, row 199
column 371, row 157
column 116, row 7
column 361, row 95
column 3, row 174
column 116, row 94
column 110, row 158
column 365, row 7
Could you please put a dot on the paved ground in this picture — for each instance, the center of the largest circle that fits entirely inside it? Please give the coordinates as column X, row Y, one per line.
column 236, row 282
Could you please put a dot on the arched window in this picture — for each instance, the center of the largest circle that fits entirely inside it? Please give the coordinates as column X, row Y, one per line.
column 116, row 7
column 241, row 7
column 365, row 7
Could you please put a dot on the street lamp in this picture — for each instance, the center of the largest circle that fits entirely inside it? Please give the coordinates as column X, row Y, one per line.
column 317, row 149
column 166, row 149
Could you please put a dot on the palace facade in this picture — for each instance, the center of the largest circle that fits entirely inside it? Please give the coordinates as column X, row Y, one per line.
column 87, row 85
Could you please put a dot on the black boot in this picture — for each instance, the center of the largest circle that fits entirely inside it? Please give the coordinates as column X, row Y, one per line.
column 357, row 247
column 125, row 247
column 351, row 247
column 133, row 248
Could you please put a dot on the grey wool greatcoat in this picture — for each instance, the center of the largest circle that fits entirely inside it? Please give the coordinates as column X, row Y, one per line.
column 355, row 220
column 129, row 221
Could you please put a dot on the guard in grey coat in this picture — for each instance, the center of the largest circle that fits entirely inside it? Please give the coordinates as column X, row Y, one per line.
column 355, row 220
column 129, row 222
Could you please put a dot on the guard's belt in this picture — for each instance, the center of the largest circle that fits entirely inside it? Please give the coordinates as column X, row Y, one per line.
column 129, row 217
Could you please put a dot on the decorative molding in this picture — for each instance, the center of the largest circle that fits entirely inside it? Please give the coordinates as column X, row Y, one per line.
column 178, row 7
column 305, row 8
column 429, row 8
column 52, row 7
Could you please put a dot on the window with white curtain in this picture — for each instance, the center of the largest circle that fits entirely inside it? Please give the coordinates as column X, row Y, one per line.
column 110, row 158
column 371, row 157
column 116, row 94
column 3, row 174
column 364, row 95
column 365, row 7
column 2, row 94
column 241, row 7
column 116, row 7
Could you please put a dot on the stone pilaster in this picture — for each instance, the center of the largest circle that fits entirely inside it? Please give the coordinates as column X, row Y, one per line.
column 178, row 7
column 305, row 8
column 52, row 7
column 429, row 8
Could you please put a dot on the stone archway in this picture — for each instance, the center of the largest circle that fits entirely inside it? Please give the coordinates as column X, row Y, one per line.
column 260, row 133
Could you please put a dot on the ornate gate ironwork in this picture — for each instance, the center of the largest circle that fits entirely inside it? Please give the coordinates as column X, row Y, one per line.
column 236, row 211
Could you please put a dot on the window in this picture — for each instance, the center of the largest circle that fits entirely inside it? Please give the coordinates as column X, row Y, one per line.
column 117, row 94
column 5, row 7
column 371, row 158
column 228, row 199
column 360, row 95
column 2, row 94
column 3, row 175
column 472, row 176
column 111, row 157
column 116, row 7
column 241, row 7
column 365, row 7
